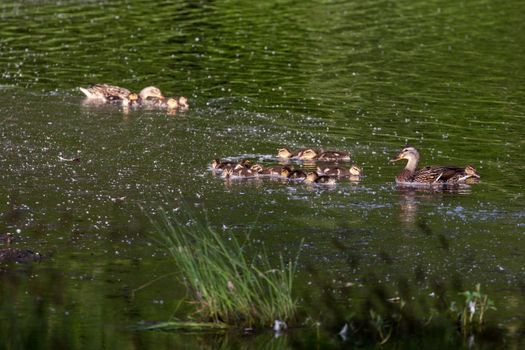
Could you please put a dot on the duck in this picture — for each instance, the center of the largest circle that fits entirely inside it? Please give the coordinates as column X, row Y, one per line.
column 285, row 172
column 112, row 93
column 431, row 174
column 238, row 171
column 296, row 175
column 354, row 170
column 333, row 156
column 217, row 164
column 325, row 156
column 313, row 177
column 271, row 171
column 183, row 103
column 307, row 154
column 160, row 103
column 286, row 153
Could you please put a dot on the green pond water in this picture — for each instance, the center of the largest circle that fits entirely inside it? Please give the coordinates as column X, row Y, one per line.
column 360, row 76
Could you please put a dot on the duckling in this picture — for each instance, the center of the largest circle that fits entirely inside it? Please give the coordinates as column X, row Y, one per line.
column 238, row 171
column 307, row 154
column 469, row 175
column 297, row 175
column 257, row 169
column 216, row 164
column 160, row 103
column 183, row 103
column 313, row 177
column 333, row 156
column 341, row 172
column 430, row 174
column 325, row 156
column 285, row 153
column 285, row 172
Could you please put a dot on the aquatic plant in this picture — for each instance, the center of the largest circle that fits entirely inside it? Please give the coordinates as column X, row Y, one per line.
column 225, row 285
column 476, row 304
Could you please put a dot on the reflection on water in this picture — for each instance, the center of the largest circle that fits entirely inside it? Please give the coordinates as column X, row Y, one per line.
column 360, row 76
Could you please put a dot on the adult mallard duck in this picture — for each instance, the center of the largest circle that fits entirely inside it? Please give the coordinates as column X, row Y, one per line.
column 433, row 175
column 110, row 93
column 354, row 170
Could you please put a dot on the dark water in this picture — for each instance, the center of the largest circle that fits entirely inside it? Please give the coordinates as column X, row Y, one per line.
column 361, row 76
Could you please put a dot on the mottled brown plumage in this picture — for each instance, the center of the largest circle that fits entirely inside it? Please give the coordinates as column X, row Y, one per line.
column 431, row 174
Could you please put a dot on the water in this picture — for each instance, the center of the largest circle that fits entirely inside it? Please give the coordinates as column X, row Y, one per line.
column 365, row 77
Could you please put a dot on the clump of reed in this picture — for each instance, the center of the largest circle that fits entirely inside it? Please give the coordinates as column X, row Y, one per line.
column 225, row 285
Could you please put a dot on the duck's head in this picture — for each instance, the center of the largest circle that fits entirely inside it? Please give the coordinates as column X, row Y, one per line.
column 172, row 103
column 311, row 176
column 284, row 153
column 308, row 153
column 183, row 102
column 246, row 163
column 256, row 168
column 215, row 163
column 227, row 172
column 471, row 171
column 356, row 170
column 285, row 171
column 409, row 153
column 150, row 92
column 133, row 97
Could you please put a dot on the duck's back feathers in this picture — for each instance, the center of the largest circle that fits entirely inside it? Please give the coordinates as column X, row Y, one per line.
column 106, row 92
column 440, row 175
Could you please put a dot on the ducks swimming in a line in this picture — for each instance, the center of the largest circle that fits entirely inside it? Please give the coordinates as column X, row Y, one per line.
column 149, row 97
column 431, row 175
column 245, row 169
column 313, row 154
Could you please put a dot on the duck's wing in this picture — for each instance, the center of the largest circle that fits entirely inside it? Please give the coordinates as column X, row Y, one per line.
column 434, row 174
column 106, row 92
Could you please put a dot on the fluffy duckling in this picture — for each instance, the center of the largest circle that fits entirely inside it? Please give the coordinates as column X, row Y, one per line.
column 307, row 154
column 182, row 103
column 313, row 177
column 354, row 170
column 238, row 171
column 430, row 174
column 216, row 164
column 297, row 175
column 271, row 171
column 285, row 172
column 333, row 156
column 285, row 153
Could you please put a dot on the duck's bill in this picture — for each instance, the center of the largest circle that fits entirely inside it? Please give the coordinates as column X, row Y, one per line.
column 395, row 159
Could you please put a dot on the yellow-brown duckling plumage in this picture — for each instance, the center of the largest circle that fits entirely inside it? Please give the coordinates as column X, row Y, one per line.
column 354, row 170
column 313, row 177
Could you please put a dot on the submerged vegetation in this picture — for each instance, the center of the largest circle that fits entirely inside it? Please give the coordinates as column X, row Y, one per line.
column 225, row 285
column 231, row 291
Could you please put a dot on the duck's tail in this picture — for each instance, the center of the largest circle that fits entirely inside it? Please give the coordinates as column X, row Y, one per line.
column 88, row 93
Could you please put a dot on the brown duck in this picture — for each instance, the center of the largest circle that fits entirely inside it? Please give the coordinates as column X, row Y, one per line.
column 431, row 174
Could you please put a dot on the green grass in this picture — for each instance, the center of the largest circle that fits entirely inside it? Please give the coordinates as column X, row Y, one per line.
column 224, row 284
